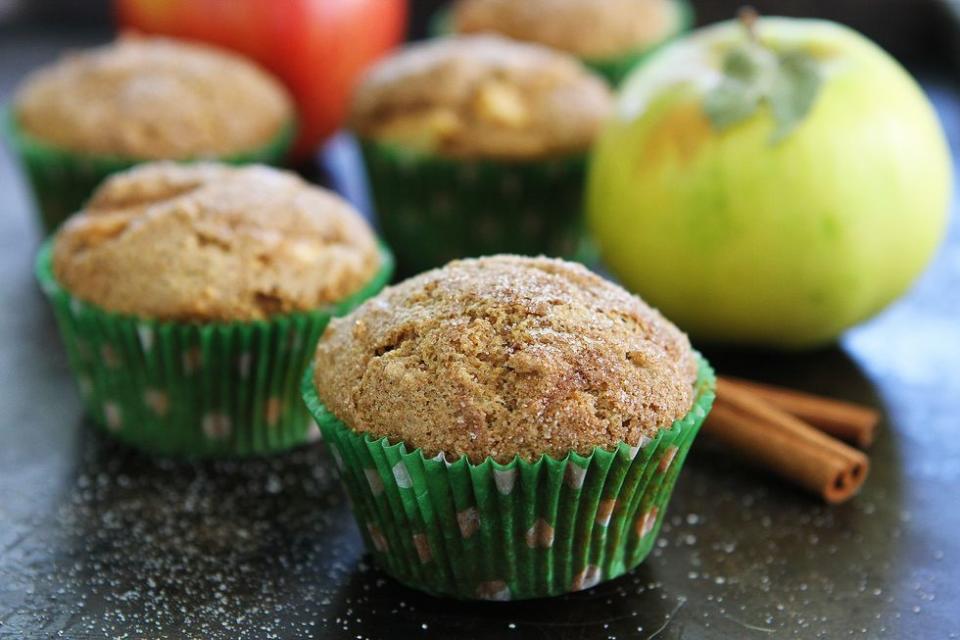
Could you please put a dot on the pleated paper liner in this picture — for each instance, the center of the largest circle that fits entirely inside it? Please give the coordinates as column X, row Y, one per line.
column 509, row 531
column 62, row 180
column 433, row 209
column 614, row 70
column 190, row 389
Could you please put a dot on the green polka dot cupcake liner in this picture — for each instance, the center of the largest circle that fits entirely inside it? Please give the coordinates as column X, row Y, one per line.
column 613, row 70
column 511, row 531
column 433, row 209
column 191, row 389
column 62, row 180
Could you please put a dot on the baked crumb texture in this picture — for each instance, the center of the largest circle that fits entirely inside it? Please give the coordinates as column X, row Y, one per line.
column 209, row 242
column 153, row 98
column 481, row 96
column 593, row 29
column 506, row 356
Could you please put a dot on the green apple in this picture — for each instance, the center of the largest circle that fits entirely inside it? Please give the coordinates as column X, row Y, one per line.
column 771, row 183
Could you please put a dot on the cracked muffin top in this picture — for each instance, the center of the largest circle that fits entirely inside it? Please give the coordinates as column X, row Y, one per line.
column 505, row 356
column 209, row 242
column 594, row 29
column 153, row 98
column 481, row 96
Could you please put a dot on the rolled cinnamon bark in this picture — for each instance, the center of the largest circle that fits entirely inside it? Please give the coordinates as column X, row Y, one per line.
column 786, row 445
column 845, row 420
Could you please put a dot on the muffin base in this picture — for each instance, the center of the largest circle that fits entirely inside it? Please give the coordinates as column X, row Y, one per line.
column 614, row 70
column 433, row 209
column 190, row 389
column 61, row 180
column 512, row 531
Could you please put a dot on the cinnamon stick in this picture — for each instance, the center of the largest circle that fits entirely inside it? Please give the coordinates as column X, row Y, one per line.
column 786, row 445
column 845, row 420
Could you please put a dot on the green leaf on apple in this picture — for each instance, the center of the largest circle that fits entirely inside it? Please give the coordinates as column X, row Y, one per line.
column 754, row 75
column 793, row 92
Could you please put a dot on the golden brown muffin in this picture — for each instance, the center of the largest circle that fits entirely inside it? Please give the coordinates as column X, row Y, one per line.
column 153, row 99
column 482, row 96
column 503, row 356
column 594, row 29
column 208, row 242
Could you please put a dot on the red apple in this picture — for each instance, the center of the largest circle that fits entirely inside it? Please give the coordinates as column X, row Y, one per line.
column 316, row 47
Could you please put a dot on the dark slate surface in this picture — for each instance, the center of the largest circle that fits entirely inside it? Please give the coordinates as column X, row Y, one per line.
column 97, row 541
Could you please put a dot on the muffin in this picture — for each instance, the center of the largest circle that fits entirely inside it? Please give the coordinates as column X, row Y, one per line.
column 507, row 427
column 476, row 145
column 610, row 36
column 190, row 298
column 102, row 110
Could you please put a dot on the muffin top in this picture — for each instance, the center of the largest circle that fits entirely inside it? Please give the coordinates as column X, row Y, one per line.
column 506, row 356
column 587, row 28
column 153, row 98
column 209, row 242
column 482, row 96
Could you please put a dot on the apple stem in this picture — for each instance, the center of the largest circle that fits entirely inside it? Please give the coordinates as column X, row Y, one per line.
column 748, row 17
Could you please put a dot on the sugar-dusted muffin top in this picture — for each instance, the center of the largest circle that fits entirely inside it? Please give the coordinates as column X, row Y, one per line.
column 153, row 98
column 209, row 242
column 586, row 28
column 481, row 96
column 506, row 356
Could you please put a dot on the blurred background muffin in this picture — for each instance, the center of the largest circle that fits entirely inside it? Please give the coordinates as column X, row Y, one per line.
column 476, row 145
column 101, row 110
column 609, row 35
column 190, row 297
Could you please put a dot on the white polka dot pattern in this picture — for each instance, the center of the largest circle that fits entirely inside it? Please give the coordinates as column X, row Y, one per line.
column 540, row 535
column 589, row 577
column 505, row 479
column 145, row 335
column 244, row 360
column 402, row 476
column 496, row 590
column 377, row 537
column 645, row 523
column 373, row 479
column 573, row 475
column 469, row 521
column 113, row 416
column 157, row 401
column 422, row 545
column 110, row 357
column 217, row 426
column 667, row 459
column 604, row 511
column 272, row 411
